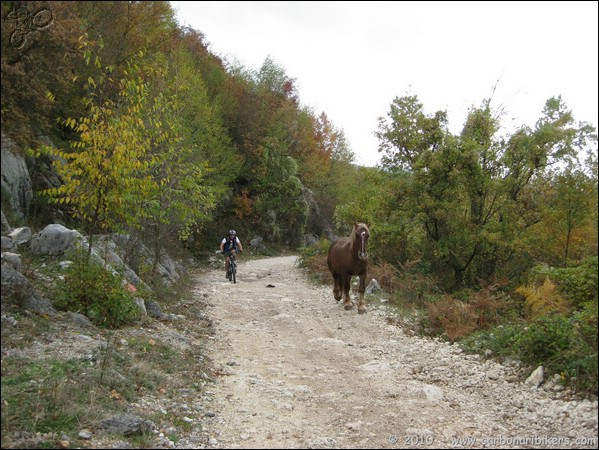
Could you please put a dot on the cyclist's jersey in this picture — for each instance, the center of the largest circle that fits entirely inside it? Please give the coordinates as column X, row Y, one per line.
column 230, row 244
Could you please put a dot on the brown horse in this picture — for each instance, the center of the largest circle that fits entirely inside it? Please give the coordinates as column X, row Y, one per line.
column 347, row 257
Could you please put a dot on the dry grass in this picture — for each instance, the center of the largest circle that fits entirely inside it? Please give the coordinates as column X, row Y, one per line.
column 452, row 317
column 456, row 318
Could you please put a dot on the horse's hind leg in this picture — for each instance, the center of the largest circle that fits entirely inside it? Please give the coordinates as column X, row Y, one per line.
column 347, row 304
column 337, row 288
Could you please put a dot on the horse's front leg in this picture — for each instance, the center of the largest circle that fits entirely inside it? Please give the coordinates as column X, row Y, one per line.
column 361, row 290
column 337, row 287
column 347, row 304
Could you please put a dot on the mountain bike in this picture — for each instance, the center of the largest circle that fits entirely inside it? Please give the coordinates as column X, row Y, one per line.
column 232, row 274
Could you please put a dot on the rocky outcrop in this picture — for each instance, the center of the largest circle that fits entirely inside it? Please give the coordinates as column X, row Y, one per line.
column 16, row 182
column 58, row 241
column 16, row 289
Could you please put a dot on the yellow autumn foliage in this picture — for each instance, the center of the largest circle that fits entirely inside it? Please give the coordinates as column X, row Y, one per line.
column 544, row 300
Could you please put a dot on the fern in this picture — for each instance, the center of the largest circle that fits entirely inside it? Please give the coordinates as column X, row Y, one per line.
column 544, row 300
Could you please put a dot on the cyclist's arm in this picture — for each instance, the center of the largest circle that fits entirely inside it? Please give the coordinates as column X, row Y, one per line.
column 239, row 244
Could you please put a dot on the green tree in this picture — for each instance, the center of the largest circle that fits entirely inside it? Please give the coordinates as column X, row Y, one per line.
column 126, row 28
column 567, row 229
column 141, row 161
column 475, row 195
column 263, row 117
column 106, row 174
column 407, row 134
column 326, row 165
column 193, row 162
column 279, row 206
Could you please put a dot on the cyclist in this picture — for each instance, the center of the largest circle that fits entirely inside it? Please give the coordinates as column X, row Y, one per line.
column 230, row 242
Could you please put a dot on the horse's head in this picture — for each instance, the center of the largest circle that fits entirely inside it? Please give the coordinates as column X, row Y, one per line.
column 361, row 235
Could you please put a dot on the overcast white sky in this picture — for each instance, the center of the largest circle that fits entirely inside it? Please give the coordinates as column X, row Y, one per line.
column 351, row 59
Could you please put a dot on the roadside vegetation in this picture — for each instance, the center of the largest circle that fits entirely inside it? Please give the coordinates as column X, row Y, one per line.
column 61, row 376
column 551, row 321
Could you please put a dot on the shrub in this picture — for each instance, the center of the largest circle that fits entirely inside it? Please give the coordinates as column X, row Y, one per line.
column 320, row 248
column 92, row 290
column 452, row 317
column 545, row 342
column 565, row 346
column 457, row 318
column 578, row 284
column 386, row 275
column 314, row 258
column 501, row 340
column 581, row 367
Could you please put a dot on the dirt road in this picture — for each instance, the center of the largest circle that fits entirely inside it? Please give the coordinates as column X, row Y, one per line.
column 298, row 371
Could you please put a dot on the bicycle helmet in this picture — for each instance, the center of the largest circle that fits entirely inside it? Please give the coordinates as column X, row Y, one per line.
column 232, row 233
